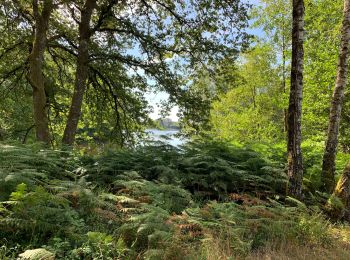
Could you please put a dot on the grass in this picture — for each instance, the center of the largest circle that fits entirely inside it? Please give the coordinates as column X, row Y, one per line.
column 288, row 251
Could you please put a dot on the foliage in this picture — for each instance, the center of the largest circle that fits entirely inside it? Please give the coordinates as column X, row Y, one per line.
column 251, row 109
column 219, row 196
column 209, row 170
column 323, row 24
column 32, row 165
column 39, row 213
column 153, row 50
column 37, row 254
column 144, row 213
column 255, row 226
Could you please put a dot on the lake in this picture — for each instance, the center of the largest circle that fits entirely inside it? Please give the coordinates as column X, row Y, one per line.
column 166, row 136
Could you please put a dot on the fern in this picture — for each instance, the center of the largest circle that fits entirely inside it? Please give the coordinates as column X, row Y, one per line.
column 209, row 170
column 32, row 166
column 37, row 254
column 147, row 202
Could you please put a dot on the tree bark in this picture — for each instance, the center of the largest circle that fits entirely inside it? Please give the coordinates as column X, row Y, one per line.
column 342, row 192
column 35, row 75
column 285, row 111
column 295, row 162
column 81, row 73
column 328, row 166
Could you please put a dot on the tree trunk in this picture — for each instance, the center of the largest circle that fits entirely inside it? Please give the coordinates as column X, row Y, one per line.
column 342, row 192
column 285, row 111
column 295, row 162
column 35, row 75
column 81, row 73
column 328, row 167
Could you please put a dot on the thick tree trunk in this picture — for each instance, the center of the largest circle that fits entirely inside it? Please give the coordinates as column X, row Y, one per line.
column 35, row 75
column 328, row 167
column 81, row 73
column 295, row 162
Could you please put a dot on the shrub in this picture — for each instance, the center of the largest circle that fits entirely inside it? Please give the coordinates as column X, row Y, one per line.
column 33, row 166
column 36, row 215
column 209, row 170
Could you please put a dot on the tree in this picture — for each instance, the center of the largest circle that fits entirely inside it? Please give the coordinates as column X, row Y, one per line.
column 28, row 43
column 165, row 37
column 249, row 110
column 328, row 166
column 41, row 16
column 322, row 23
column 295, row 162
column 194, row 30
column 275, row 19
column 16, row 104
column 342, row 193
column 135, row 47
column 81, row 72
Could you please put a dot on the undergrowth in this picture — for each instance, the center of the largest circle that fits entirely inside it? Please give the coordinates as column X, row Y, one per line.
column 200, row 201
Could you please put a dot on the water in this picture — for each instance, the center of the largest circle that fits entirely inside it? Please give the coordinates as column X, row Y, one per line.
column 166, row 136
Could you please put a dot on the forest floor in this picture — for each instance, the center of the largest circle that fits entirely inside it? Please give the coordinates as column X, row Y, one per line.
column 339, row 251
column 297, row 252
column 205, row 202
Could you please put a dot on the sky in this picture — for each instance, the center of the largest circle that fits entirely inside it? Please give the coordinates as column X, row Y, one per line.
column 155, row 98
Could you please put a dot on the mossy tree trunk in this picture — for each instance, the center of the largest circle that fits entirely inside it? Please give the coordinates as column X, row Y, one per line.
column 35, row 75
column 328, row 166
column 295, row 162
